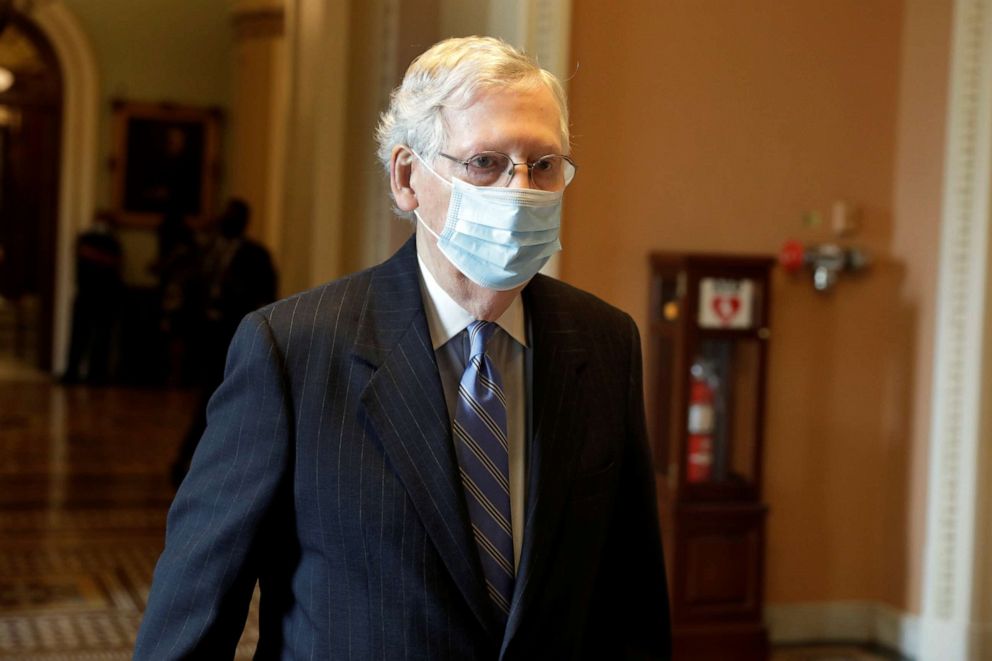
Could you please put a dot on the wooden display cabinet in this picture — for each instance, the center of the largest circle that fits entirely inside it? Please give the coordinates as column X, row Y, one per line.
column 708, row 353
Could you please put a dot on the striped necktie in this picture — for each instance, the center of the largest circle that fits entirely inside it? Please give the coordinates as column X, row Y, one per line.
column 480, row 441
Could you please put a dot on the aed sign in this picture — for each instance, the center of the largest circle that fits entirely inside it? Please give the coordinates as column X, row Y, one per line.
column 725, row 303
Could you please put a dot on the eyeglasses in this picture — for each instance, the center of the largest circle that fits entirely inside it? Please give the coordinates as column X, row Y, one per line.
column 492, row 168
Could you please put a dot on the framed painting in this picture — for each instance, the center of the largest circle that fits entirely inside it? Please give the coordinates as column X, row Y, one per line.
column 166, row 159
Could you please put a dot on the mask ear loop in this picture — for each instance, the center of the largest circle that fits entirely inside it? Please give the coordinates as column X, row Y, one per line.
column 429, row 168
column 433, row 172
column 426, row 226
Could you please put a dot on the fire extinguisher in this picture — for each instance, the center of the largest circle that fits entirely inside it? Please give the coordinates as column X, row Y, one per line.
column 702, row 418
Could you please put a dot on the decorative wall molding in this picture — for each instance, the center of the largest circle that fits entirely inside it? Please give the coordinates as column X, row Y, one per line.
column 952, row 628
column 845, row 621
column 77, row 185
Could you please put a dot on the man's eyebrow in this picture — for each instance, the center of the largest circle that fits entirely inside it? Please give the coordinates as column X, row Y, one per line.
column 472, row 150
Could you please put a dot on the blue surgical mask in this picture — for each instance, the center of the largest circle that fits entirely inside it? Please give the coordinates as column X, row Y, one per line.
column 499, row 238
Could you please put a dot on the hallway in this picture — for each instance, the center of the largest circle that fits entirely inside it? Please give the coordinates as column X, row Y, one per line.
column 84, row 492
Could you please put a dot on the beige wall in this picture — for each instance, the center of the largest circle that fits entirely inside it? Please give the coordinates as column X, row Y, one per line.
column 724, row 123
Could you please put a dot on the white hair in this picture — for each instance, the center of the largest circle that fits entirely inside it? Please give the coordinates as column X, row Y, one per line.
column 451, row 74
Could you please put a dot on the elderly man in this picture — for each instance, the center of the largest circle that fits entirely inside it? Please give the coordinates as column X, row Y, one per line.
column 443, row 456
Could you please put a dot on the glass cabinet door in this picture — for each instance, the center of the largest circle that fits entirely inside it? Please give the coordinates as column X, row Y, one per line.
column 722, row 416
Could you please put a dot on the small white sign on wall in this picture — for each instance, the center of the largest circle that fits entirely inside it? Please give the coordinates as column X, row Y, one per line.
column 726, row 303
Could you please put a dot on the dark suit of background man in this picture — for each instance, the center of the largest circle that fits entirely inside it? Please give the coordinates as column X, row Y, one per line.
column 338, row 468
column 99, row 290
column 236, row 276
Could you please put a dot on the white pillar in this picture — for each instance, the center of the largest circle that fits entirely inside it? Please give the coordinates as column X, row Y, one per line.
column 258, row 115
column 317, row 59
column 77, row 185
column 956, row 610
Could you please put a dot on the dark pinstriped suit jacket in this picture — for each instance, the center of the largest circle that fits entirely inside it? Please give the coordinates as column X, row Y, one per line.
column 327, row 472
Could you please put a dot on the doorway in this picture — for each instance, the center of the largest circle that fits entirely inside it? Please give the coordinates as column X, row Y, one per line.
column 30, row 126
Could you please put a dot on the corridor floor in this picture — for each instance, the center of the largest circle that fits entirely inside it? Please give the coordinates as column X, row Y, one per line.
column 83, row 499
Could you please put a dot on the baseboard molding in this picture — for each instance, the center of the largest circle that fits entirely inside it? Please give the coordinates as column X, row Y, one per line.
column 848, row 621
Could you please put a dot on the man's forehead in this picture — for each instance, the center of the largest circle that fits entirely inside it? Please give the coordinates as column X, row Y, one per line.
column 497, row 119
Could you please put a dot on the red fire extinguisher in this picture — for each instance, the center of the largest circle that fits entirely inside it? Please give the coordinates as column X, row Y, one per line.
column 702, row 419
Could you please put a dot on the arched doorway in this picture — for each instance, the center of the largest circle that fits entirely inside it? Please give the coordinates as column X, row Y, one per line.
column 30, row 129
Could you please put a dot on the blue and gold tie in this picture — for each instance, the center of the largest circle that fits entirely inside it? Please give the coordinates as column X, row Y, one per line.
column 480, row 441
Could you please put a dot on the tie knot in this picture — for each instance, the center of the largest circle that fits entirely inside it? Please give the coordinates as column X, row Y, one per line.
column 479, row 333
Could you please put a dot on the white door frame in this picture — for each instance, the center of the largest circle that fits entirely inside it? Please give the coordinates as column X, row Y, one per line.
column 77, row 174
column 956, row 582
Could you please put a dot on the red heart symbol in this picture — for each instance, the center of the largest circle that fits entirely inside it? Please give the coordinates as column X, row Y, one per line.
column 726, row 307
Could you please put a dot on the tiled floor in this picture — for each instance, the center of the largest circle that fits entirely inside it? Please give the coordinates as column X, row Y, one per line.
column 83, row 499
column 829, row 653
column 19, row 327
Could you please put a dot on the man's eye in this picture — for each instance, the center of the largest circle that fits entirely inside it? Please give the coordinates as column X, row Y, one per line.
column 484, row 162
column 547, row 164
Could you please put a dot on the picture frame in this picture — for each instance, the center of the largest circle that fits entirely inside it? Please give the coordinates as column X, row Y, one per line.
column 166, row 159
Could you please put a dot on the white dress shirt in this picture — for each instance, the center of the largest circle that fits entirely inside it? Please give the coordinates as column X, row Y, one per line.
column 447, row 322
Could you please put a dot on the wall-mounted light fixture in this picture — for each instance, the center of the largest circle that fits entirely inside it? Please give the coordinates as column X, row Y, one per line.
column 6, row 79
column 827, row 261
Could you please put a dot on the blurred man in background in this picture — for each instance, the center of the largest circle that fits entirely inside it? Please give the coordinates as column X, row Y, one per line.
column 236, row 276
column 99, row 289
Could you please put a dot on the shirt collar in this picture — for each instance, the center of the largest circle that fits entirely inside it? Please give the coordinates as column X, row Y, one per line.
column 446, row 319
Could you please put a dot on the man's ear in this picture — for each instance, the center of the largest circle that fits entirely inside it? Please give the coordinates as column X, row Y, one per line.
column 400, row 173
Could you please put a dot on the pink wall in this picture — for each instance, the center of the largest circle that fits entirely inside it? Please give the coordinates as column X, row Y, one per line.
column 714, row 125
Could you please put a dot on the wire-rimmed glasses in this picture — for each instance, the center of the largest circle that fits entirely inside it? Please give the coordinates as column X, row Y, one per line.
column 551, row 172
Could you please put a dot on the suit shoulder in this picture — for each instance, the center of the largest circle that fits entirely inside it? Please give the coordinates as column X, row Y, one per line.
column 344, row 296
column 580, row 302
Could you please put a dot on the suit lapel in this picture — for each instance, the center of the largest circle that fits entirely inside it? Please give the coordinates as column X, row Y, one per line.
column 558, row 402
column 405, row 404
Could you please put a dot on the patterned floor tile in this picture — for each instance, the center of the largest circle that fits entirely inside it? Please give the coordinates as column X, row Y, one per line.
column 84, row 493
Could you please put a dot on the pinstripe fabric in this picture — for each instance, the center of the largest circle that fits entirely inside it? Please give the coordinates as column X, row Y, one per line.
column 328, row 473
column 483, row 457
